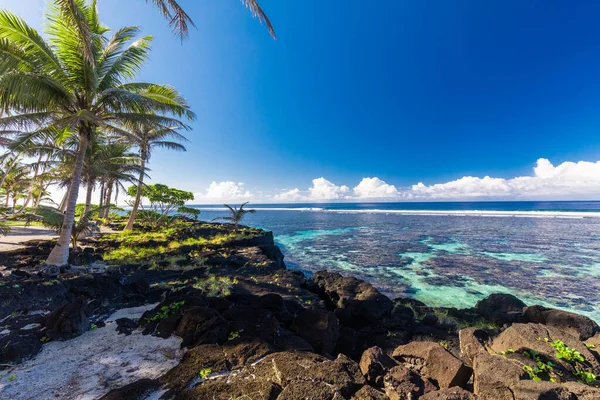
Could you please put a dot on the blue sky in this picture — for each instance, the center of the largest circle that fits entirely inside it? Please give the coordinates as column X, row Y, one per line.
column 405, row 91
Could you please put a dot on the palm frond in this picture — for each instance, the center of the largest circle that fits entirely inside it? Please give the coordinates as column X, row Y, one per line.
column 178, row 18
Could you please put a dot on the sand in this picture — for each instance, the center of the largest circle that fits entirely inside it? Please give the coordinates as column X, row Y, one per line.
column 89, row 366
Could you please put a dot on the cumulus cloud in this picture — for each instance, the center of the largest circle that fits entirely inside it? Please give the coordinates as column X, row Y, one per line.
column 373, row 188
column 289, row 195
column 568, row 180
column 224, row 192
column 322, row 189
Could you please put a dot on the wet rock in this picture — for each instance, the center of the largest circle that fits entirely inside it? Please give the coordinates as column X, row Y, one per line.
column 374, row 364
column 202, row 325
column 493, row 377
column 68, row 320
column 356, row 303
column 138, row 390
column 500, row 308
column 319, row 328
column 401, row 383
column 577, row 325
column 369, row 393
column 535, row 390
column 453, row 393
column 435, row 362
column 472, row 343
column 126, row 326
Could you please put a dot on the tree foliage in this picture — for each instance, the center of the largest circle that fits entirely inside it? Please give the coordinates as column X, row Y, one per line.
column 163, row 200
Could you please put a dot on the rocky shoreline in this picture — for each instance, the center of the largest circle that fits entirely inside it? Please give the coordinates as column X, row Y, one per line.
column 251, row 329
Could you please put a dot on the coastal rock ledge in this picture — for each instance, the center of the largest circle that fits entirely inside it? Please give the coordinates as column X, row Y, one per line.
column 245, row 327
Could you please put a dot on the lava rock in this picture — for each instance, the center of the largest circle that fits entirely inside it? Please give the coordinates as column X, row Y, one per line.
column 577, row 325
column 500, row 308
column 374, row 364
column 69, row 320
column 434, row 362
column 319, row 328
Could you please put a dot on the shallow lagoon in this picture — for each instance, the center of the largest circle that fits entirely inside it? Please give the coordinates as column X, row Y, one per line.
column 448, row 260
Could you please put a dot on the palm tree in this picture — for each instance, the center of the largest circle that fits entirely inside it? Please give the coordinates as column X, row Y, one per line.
column 15, row 180
column 79, row 81
column 147, row 138
column 179, row 19
column 237, row 214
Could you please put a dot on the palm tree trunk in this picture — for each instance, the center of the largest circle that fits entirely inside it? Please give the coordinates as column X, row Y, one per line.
column 109, row 189
column 102, row 192
column 59, row 255
column 63, row 203
column 88, row 197
column 138, row 196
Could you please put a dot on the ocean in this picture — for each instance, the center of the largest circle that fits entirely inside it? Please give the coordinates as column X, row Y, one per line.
column 447, row 254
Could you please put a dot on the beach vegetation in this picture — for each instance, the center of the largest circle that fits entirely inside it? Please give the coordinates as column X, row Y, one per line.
column 233, row 335
column 566, row 353
column 236, row 215
column 165, row 311
column 163, row 201
column 215, row 286
column 204, row 373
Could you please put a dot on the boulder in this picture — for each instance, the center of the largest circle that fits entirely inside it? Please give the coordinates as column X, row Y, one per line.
column 493, row 377
column 577, row 325
column 522, row 337
column 69, row 320
column 500, row 308
column 369, row 393
column 202, row 325
column 319, row 328
column 126, row 325
column 356, row 303
column 583, row 391
column 453, row 393
column 536, row 390
column 252, row 321
column 402, row 383
column 471, row 342
column 374, row 364
column 222, row 389
column 435, row 362
column 287, row 341
column 243, row 350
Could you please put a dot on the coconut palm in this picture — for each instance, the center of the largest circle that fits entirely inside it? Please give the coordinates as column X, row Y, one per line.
column 147, row 138
column 179, row 19
column 237, row 214
column 78, row 80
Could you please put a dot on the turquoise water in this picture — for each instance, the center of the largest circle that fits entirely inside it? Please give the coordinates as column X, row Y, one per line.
column 448, row 260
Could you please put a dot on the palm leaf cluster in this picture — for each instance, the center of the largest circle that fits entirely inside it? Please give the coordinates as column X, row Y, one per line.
column 236, row 214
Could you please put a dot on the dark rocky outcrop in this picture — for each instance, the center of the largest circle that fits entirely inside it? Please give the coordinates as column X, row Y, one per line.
column 319, row 328
column 69, row 320
column 500, row 308
column 356, row 303
column 577, row 325
column 270, row 333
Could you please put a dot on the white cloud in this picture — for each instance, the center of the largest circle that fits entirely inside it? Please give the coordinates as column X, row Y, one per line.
column 289, row 195
column 322, row 189
column 373, row 188
column 224, row 192
column 568, row 180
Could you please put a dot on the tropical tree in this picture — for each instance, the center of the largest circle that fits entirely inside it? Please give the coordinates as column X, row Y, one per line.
column 163, row 201
column 147, row 138
column 79, row 80
column 237, row 214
